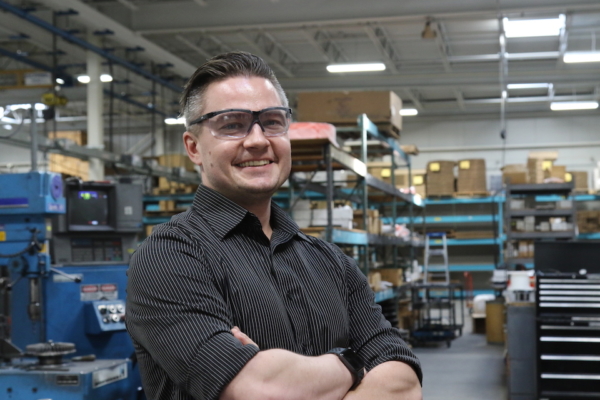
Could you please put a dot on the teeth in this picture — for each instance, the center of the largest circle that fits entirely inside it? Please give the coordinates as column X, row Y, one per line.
column 254, row 163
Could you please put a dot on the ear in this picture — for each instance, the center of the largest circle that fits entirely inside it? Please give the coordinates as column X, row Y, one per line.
column 190, row 141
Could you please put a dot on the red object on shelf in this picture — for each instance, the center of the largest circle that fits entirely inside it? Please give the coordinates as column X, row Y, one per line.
column 312, row 130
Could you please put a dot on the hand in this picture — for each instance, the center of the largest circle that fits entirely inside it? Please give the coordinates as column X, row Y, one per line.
column 242, row 337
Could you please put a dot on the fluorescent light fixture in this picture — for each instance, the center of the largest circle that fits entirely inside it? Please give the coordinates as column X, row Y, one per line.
column 86, row 78
column 533, row 27
column 7, row 127
column 60, row 81
column 26, row 106
column 581, row 57
column 175, row 121
column 517, row 86
column 573, row 105
column 356, row 67
column 409, row 112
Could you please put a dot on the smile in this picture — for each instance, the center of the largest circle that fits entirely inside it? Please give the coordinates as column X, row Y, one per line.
column 255, row 163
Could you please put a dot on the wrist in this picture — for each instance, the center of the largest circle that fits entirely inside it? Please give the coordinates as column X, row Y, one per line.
column 350, row 360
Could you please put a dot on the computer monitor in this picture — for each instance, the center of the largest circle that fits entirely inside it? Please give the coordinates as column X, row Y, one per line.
column 90, row 208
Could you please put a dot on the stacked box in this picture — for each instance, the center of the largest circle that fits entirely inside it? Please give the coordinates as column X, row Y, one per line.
column 514, row 174
column 539, row 165
column 580, row 178
column 381, row 170
column 394, row 276
column 588, row 221
column 471, row 176
column 176, row 160
column 375, row 281
column 342, row 217
column 418, row 180
column 535, row 170
column 440, row 178
column 556, row 172
column 381, row 107
column 69, row 165
column 374, row 224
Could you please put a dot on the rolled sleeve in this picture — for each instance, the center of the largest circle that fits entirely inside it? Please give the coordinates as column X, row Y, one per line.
column 179, row 321
column 371, row 335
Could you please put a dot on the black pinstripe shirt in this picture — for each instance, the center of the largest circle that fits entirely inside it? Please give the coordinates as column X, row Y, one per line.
column 212, row 268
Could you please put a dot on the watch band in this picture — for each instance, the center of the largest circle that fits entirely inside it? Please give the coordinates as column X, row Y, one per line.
column 354, row 364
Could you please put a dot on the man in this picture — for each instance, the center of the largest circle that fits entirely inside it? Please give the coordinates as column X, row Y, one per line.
column 229, row 300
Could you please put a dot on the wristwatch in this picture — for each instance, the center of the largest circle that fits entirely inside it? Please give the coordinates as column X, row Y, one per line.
column 352, row 362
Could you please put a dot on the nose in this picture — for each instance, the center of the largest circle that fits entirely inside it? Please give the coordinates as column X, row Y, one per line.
column 256, row 137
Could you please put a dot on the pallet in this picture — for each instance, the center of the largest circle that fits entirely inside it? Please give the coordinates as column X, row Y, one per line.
column 440, row 196
column 463, row 195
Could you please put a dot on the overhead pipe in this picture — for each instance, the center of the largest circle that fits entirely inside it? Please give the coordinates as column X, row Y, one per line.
column 86, row 45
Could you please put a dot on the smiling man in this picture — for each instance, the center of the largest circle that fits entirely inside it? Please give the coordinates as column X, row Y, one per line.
column 230, row 300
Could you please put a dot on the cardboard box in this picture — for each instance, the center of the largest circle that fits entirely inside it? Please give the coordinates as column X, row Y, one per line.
column 440, row 178
column 382, row 107
column 556, row 172
column 580, row 178
column 394, row 276
column 176, row 160
column 69, row 166
column 79, row 137
column 514, row 174
column 471, row 176
column 374, row 224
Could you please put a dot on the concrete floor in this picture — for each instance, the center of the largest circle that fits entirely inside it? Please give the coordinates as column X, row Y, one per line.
column 470, row 369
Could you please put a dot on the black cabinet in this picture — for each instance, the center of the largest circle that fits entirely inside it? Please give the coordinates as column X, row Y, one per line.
column 568, row 336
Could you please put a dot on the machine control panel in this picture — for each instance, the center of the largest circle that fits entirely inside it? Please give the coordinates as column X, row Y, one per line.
column 104, row 316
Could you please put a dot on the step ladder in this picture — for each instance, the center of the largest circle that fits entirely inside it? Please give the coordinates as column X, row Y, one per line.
column 438, row 273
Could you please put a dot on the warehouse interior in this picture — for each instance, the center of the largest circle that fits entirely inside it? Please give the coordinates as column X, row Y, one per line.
column 462, row 172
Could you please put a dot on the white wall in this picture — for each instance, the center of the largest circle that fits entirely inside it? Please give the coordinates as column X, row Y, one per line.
column 576, row 138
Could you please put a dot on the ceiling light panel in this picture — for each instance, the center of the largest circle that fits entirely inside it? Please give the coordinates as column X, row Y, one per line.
column 581, row 57
column 573, row 105
column 533, row 27
column 338, row 68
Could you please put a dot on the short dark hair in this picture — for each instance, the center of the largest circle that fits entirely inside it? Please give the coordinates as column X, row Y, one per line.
column 220, row 67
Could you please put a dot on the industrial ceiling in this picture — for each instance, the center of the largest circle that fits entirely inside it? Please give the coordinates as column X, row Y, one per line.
column 458, row 68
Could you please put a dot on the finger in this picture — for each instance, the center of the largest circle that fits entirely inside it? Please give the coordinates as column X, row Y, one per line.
column 242, row 337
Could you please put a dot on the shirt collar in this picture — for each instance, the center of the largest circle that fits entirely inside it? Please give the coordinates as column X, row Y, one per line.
column 223, row 215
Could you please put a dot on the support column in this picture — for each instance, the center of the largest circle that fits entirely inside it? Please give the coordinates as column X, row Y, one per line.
column 95, row 109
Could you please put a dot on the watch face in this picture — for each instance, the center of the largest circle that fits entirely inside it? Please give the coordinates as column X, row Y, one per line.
column 353, row 359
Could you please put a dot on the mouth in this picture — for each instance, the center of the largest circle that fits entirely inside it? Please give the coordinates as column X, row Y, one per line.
column 260, row 163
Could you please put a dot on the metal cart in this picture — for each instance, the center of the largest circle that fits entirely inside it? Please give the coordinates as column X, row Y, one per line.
column 439, row 312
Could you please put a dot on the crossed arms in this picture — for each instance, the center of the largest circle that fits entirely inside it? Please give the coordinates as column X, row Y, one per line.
column 279, row 374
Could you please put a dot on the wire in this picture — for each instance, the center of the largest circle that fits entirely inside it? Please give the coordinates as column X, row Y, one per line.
column 34, row 244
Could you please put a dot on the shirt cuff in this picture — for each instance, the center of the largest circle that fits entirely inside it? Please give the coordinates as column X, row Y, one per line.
column 216, row 364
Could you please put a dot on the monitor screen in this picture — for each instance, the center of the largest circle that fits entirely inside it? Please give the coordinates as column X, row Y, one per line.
column 89, row 209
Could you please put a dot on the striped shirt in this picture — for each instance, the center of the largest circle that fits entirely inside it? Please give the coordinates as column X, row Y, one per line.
column 212, row 268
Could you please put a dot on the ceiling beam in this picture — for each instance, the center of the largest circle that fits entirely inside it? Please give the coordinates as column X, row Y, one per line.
column 94, row 19
column 194, row 46
column 129, row 5
column 411, row 12
column 321, row 41
column 460, row 99
column 381, row 40
column 414, row 98
column 441, row 39
column 271, row 51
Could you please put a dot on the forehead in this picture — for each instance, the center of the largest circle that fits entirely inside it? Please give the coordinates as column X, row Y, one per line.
column 253, row 93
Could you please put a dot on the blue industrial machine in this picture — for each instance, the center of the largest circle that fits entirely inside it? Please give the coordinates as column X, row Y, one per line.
column 63, row 261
